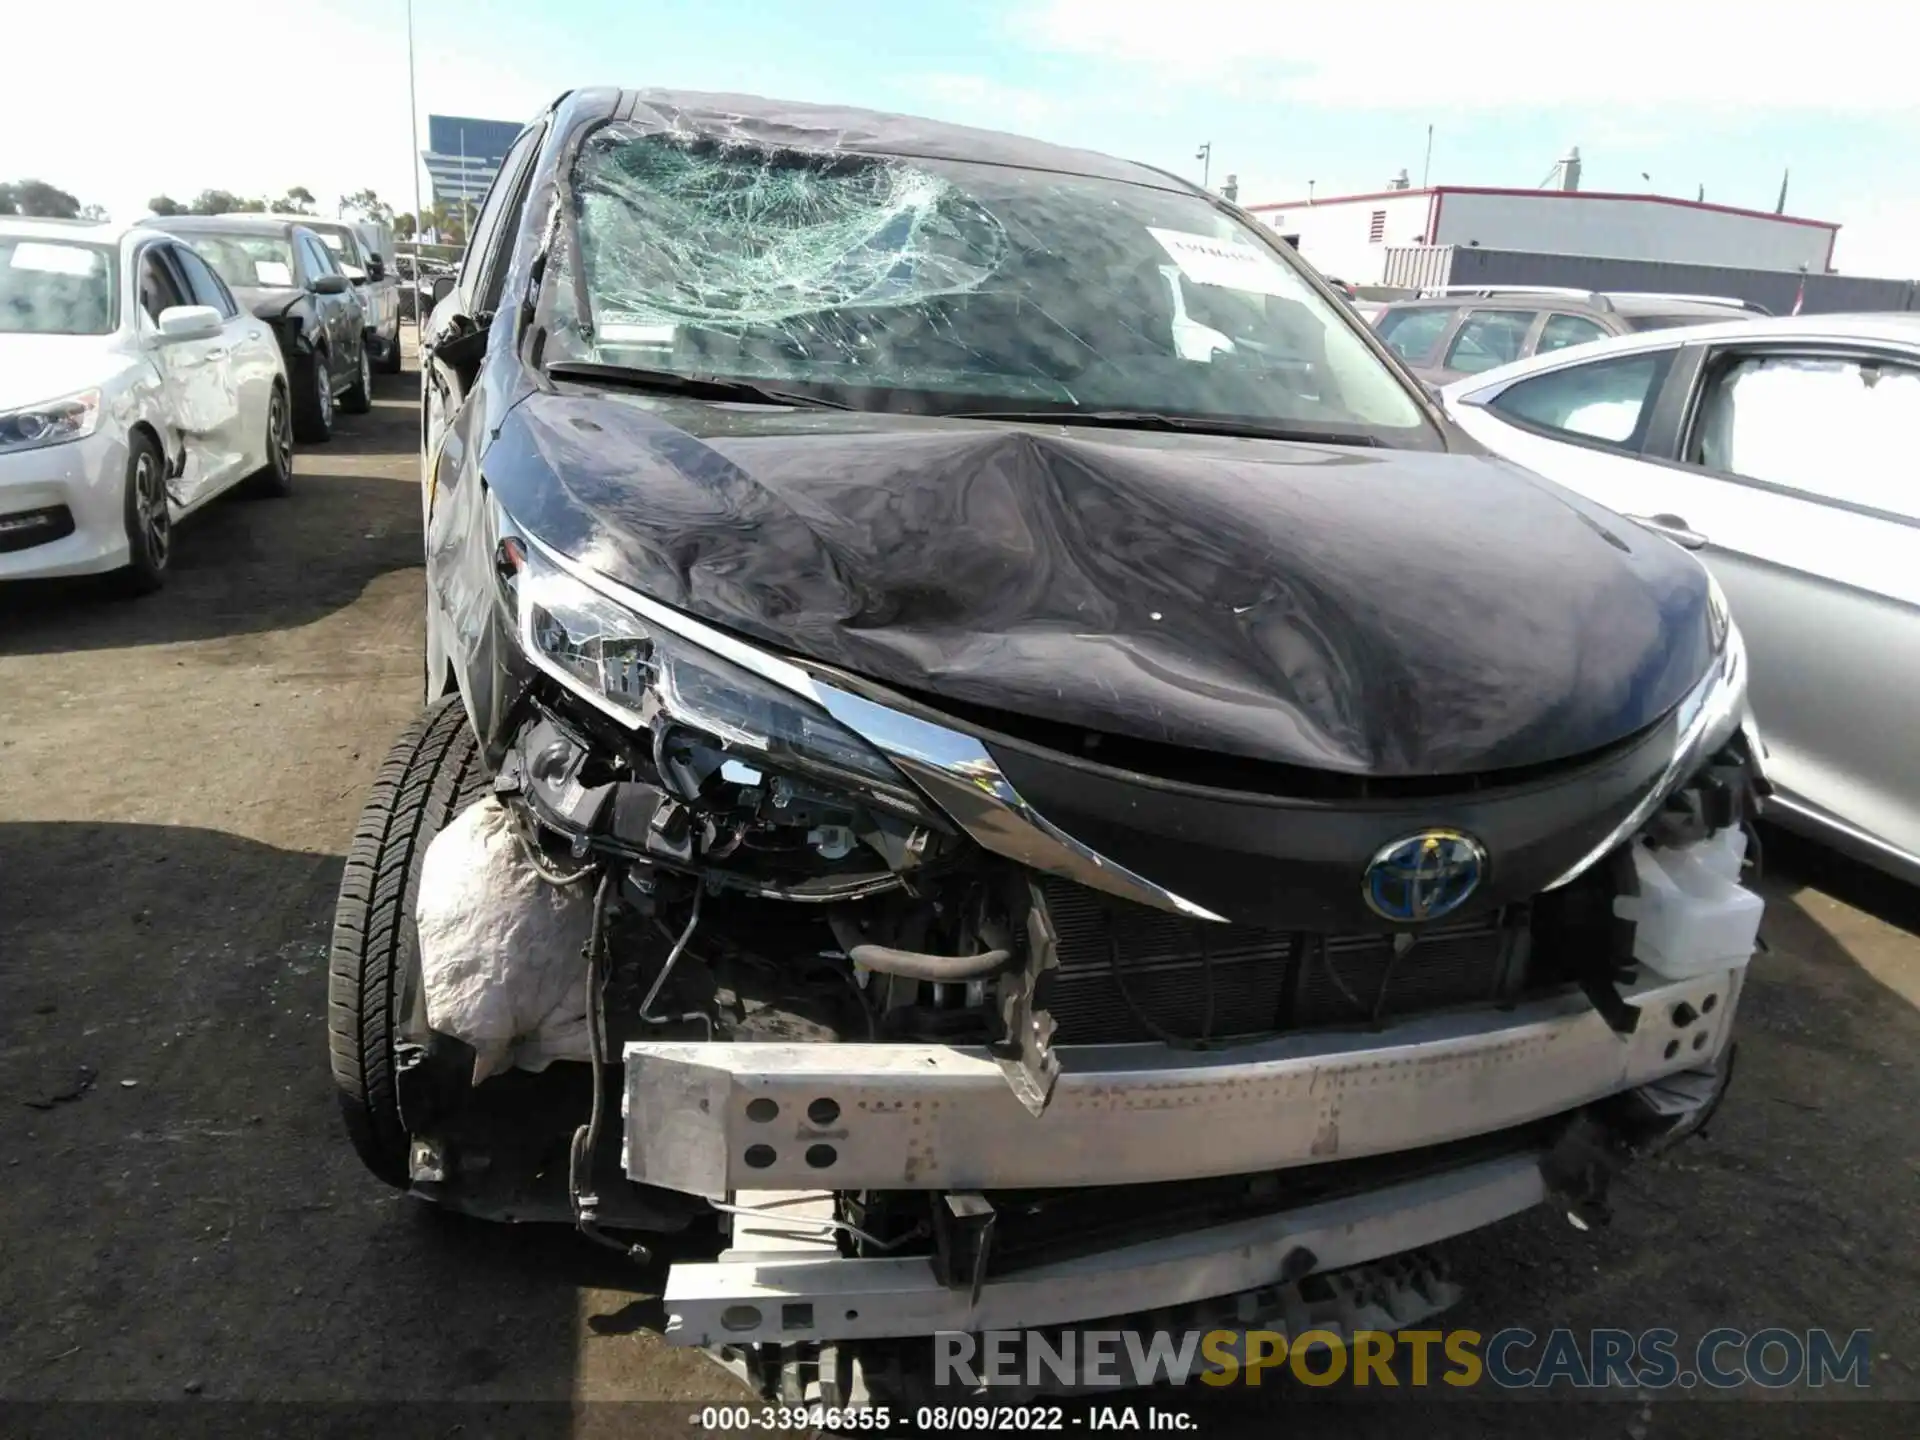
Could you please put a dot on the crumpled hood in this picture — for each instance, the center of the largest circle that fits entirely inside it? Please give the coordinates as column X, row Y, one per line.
column 1380, row 612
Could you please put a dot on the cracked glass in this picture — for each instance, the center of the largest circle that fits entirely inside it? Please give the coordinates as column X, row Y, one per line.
column 941, row 286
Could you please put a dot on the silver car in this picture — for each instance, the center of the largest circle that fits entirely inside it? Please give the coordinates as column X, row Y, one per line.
column 1783, row 451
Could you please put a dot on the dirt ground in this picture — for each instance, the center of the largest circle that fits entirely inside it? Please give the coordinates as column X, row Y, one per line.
column 179, row 777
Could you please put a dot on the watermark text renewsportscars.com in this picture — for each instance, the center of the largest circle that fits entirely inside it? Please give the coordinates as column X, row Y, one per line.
column 1510, row 1359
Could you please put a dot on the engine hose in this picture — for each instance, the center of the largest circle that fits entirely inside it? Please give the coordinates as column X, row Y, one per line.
column 939, row 969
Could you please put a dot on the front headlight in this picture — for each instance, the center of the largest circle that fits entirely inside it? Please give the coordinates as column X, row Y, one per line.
column 1706, row 720
column 54, row 422
column 636, row 672
column 1719, row 615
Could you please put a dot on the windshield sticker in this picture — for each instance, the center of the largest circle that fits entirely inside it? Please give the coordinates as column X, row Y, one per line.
column 1226, row 263
column 629, row 329
column 272, row 272
column 54, row 259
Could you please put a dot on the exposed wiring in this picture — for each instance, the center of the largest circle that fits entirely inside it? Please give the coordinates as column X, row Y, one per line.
column 814, row 1222
column 666, row 969
column 1394, row 951
column 586, row 1202
column 530, row 852
column 1140, row 1017
column 1319, row 942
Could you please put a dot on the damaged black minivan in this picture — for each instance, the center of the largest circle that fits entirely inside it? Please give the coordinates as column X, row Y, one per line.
column 993, row 758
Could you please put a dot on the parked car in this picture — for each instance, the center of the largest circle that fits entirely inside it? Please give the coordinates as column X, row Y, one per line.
column 1457, row 330
column 377, row 290
column 285, row 274
column 416, row 284
column 1781, row 451
column 133, row 390
column 1027, row 717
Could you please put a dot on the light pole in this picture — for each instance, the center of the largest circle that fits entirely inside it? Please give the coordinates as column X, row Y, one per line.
column 1205, row 156
column 413, row 120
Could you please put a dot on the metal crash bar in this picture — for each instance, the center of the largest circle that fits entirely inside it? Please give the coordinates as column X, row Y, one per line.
column 714, row 1119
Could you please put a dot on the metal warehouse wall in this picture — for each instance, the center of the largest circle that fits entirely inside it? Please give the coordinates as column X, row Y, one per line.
column 1336, row 239
column 1417, row 266
column 1554, row 222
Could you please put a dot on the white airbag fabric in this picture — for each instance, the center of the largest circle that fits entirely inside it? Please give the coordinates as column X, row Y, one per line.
column 501, row 953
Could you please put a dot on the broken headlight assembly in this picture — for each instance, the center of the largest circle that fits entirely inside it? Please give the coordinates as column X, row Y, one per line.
column 1708, row 719
column 721, row 764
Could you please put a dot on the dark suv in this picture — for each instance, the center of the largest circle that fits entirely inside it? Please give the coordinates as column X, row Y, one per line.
column 1462, row 330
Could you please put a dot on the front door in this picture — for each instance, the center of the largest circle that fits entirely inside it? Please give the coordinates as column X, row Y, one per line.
column 203, row 409
column 1797, row 465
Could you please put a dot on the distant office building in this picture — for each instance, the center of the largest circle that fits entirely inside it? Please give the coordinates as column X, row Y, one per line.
column 463, row 154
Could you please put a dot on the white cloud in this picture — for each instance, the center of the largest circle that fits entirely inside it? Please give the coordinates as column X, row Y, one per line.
column 1848, row 55
column 1878, row 238
column 251, row 96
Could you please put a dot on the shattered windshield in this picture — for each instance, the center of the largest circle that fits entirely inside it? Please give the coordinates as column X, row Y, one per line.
column 939, row 286
column 50, row 287
column 246, row 262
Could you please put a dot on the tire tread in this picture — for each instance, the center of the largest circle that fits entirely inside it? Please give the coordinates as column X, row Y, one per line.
column 433, row 771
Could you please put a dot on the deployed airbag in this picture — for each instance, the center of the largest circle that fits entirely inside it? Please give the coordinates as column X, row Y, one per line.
column 500, row 948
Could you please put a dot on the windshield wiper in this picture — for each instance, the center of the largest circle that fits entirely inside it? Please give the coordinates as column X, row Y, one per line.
column 1158, row 420
column 694, row 387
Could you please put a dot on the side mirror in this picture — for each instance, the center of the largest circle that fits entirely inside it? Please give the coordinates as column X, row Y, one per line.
column 442, row 287
column 331, row 285
column 188, row 322
column 376, row 267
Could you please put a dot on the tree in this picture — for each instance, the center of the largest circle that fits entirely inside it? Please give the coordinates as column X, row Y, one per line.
column 297, row 201
column 405, row 224
column 216, row 202
column 165, row 205
column 96, row 213
column 448, row 220
column 368, row 204
column 37, row 198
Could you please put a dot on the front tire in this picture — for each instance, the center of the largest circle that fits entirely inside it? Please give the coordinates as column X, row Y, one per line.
column 433, row 773
column 313, row 399
column 148, row 520
column 275, row 478
column 390, row 352
column 358, row 399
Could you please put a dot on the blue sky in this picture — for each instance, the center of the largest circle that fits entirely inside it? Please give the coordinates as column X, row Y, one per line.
column 257, row 95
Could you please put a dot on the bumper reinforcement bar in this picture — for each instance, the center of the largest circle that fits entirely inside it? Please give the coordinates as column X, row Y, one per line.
column 717, row 1119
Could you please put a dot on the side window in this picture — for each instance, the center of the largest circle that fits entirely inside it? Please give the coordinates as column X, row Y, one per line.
column 1412, row 334
column 1607, row 400
column 1489, row 338
column 1560, row 331
column 318, row 260
column 1842, row 427
column 159, row 290
column 478, row 275
column 206, row 286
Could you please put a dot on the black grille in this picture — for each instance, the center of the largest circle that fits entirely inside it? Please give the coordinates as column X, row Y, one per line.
column 1130, row 973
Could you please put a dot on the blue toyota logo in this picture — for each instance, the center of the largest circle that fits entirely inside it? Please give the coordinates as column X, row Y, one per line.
column 1424, row 876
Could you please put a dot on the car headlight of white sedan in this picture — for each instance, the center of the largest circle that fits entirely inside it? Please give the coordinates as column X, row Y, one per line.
column 51, row 422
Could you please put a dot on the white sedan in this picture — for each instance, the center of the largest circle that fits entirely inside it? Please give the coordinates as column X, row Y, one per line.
column 133, row 390
column 1783, row 451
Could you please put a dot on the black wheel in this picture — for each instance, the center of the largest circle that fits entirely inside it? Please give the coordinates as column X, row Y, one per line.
column 358, row 399
column 312, row 399
column 149, row 523
column 432, row 774
column 276, row 476
column 390, row 352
